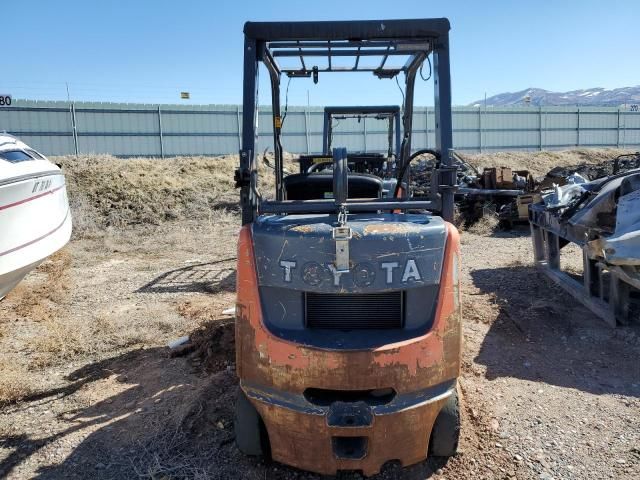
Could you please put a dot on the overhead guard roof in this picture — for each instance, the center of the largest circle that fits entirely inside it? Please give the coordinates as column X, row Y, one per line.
column 348, row 30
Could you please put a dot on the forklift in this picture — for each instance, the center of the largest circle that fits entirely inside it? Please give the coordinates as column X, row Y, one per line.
column 348, row 321
column 378, row 163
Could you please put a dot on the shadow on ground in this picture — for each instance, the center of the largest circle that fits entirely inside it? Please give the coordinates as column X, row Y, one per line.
column 515, row 230
column 163, row 417
column 544, row 335
column 210, row 277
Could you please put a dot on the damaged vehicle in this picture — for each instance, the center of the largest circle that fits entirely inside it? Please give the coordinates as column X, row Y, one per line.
column 602, row 216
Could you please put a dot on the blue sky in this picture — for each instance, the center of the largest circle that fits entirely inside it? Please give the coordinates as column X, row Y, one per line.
column 149, row 50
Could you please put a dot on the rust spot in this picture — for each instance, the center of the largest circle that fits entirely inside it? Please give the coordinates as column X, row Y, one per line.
column 390, row 228
column 300, row 439
column 302, row 229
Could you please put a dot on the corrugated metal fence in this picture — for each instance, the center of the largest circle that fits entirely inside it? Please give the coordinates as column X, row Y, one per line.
column 61, row 128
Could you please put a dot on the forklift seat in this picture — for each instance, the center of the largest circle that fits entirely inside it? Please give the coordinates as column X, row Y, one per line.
column 314, row 186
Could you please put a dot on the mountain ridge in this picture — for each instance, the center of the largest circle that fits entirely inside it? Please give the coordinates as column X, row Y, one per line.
column 596, row 96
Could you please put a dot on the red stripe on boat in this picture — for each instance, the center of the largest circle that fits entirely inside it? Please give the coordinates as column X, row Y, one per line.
column 37, row 239
column 15, row 204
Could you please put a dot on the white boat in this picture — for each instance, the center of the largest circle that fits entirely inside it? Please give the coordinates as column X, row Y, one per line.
column 35, row 220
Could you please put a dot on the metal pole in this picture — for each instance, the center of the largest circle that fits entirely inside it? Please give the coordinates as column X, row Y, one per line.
column 364, row 133
column 160, row 133
column 398, row 135
column 239, row 127
column 443, row 122
column 624, row 127
column 578, row 128
column 426, row 127
column 327, row 133
column 618, row 136
column 248, row 199
column 480, row 127
column 540, row 127
column 74, row 127
column 306, row 127
column 544, row 140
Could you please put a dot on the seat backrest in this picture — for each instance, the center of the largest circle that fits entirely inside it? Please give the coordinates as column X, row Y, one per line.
column 314, row 186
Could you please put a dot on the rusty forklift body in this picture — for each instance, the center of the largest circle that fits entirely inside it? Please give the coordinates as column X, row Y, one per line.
column 348, row 330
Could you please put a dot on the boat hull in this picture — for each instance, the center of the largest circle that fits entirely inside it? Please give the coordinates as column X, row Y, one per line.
column 35, row 222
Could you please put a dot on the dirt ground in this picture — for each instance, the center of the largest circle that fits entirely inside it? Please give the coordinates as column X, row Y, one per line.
column 88, row 388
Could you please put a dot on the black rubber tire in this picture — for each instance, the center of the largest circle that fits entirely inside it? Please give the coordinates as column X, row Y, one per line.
column 446, row 429
column 251, row 436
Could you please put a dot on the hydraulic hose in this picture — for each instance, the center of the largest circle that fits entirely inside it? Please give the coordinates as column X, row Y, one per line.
column 403, row 170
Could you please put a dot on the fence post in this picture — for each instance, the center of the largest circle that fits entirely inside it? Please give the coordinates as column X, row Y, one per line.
column 426, row 127
column 238, row 123
column 578, row 128
column 74, row 127
column 160, row 133
column 618, row 136
column 540, row 126
column 364, row 133
column 624, row 127
column 306, row 128
column 480, row 127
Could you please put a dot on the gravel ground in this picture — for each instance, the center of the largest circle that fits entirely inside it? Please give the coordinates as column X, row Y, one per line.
column 549, row 390
column 88, row 388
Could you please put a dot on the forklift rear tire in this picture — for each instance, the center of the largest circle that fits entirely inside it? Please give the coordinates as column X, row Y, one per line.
column 251, row 434
column 446, row 429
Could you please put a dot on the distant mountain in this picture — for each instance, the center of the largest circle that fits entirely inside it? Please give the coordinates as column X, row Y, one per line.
column 590, row 96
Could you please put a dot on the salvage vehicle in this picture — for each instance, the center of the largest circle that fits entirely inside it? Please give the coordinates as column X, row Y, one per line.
column 348, row 322
column 601, row 217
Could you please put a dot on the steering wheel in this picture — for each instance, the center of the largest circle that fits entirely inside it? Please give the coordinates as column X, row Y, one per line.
column 320, row 166
column 328, row 165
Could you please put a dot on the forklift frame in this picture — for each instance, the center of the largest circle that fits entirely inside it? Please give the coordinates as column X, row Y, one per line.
column 415, row 39
column 389, row 112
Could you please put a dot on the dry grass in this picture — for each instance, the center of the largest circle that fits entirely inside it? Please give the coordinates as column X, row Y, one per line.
column 539, row 163
column 15, row 383
column 106, row 191
column 110, row 192
column 41, row 300
column 67, row 337
column 485, row 225
column 62, row 341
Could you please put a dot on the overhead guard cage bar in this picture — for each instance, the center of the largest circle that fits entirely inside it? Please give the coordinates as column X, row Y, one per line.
column 391, row 113
column 414, row 39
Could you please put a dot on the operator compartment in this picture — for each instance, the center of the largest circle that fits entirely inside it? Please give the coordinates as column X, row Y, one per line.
column 389, row 293
column 315, row 186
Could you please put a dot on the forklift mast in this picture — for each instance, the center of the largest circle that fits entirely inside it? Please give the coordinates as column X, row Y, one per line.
column 391, row 113
column 410, row 40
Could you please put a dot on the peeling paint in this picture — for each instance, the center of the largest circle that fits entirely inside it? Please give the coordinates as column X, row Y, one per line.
column 301, row 439
column 391, row 228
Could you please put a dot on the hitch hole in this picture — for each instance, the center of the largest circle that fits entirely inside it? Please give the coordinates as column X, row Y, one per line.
column 323, row 397
column 350, row 447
